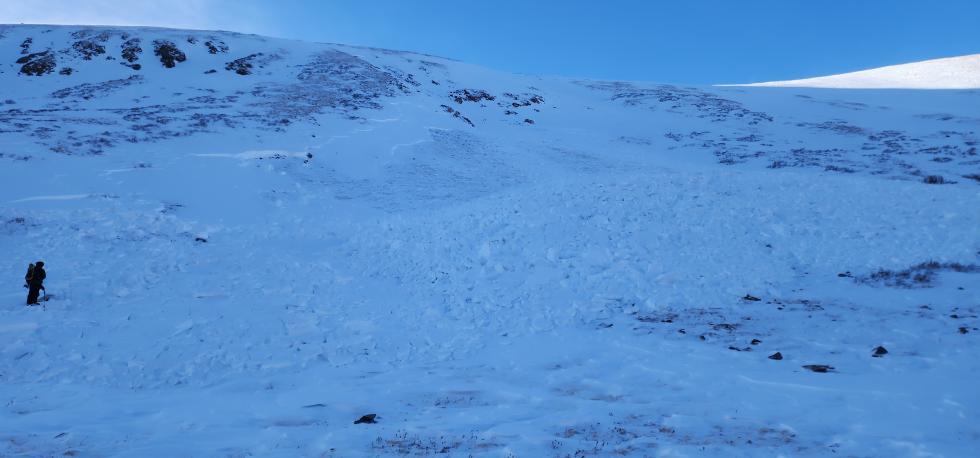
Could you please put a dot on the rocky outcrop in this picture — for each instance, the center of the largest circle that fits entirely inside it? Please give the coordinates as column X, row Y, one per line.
column 168, row 53
column 37, row 64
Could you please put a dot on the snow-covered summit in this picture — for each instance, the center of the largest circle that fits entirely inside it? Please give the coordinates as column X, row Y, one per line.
column 252, row 242
column 962, row 72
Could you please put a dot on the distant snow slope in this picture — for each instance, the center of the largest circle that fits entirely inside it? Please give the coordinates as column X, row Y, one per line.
column 961, row 72
column 252, row 242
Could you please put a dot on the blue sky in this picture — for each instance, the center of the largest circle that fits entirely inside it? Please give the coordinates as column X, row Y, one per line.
column 683, row 41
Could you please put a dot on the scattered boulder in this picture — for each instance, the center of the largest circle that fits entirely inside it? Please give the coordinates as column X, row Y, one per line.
column 756, row 342
column 819, row 368
column 776, row 356
column 369, row 418
column 934, row 179
column 879, row 351
column 168, row 53
column 750, row 298
column 66, row 71
column 528, row 121
column 845, row 275
column 964, row 330
column 200, row 240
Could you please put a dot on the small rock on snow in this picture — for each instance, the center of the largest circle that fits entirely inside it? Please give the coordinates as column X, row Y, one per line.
column 369, row 418
column 820, row 368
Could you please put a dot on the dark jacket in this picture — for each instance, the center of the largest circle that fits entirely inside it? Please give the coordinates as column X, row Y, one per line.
column 37, row 280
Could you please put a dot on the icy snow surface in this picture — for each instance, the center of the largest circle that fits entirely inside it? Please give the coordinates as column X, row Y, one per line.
column 246, row 260
column 962, row 72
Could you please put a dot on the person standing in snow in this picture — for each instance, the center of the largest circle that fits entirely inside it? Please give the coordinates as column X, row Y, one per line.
column 35, row 281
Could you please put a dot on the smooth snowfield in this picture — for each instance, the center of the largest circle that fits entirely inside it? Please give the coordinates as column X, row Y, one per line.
column 243, row 265
column 961, row 72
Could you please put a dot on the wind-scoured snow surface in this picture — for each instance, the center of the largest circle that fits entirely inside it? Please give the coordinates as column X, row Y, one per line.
column 252, row 242
column 961, row 72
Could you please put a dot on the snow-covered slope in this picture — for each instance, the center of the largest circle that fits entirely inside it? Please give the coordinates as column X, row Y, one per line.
column 962, row 72
column 253, row 247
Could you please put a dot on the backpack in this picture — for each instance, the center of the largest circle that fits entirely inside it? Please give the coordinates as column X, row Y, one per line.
column 30, row 273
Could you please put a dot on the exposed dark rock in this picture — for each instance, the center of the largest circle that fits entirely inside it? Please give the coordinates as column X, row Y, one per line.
column 131, row 50
column 934, row 179
column 471, row 95
column 210, row 71
column 528, row 121
column 845, row 275
column 66, row 71
column 88, row 48
column 457, row 114
column 523, row 100
column 756, row 342
column 819, row 368
column 776, row 356
column 963, row 330
column 974, row 177
column 25, row 45
column 200, row 240
column 879, row 351
column 242, row 66
column 37, row 64
column 369, row 418
column 216, row 46
column 168, row 53
column 751, row 298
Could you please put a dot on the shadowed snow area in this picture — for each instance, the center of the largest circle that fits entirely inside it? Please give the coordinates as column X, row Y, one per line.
column 252, row 242
column 962, row 72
